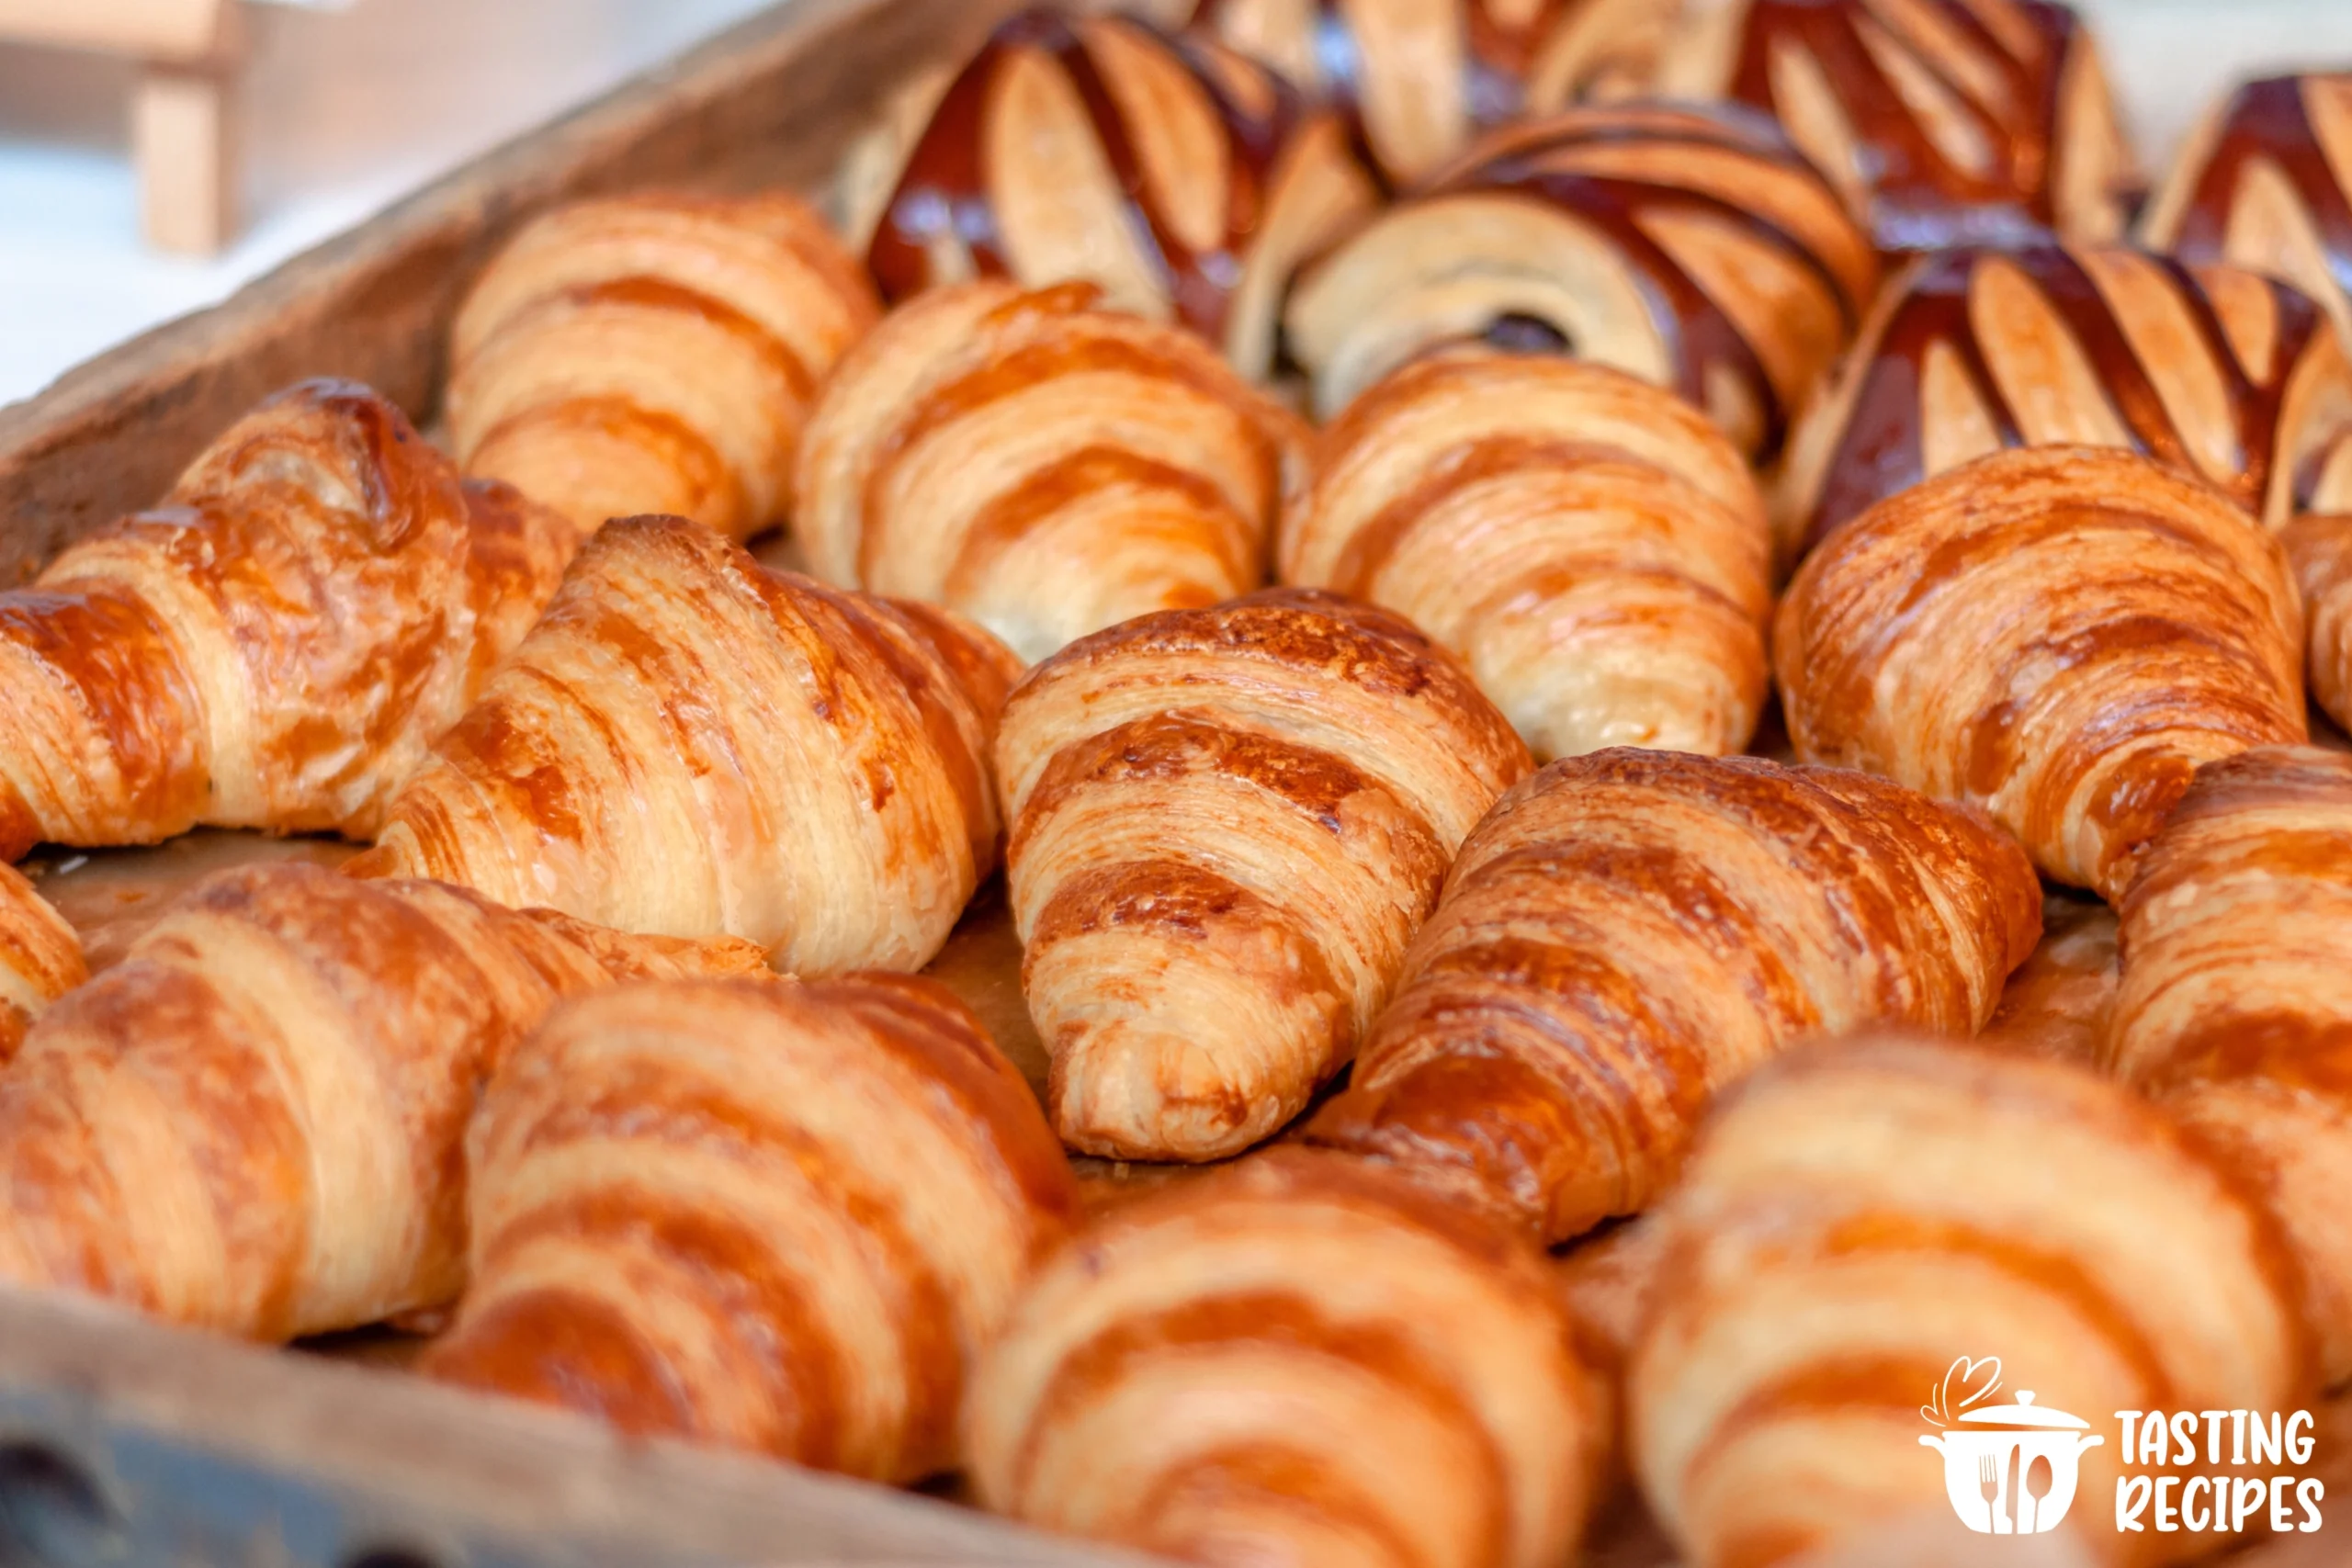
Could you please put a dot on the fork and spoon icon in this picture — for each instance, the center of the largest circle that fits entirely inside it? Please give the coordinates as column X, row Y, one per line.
column 1989, row 1481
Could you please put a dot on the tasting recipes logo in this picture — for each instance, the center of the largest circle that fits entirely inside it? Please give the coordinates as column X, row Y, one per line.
column 2014, row 1468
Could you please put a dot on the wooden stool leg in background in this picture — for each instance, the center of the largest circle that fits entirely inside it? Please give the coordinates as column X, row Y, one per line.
column 184, row 138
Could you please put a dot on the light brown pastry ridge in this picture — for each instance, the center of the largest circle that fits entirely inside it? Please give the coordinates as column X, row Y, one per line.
column 40, row 958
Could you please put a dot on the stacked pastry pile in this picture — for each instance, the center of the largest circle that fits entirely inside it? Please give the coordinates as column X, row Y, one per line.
column 1375, row 791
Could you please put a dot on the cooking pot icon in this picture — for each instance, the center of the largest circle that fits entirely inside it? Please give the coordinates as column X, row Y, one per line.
column 2013, row 1470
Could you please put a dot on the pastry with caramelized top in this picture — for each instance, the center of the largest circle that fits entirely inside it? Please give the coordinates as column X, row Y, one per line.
column 275, row 644
column 1226, row 825
column 1047, row 467
column 1692, row 249
column 254, row 1122
column 1879, row 1240
column 1592, row 548
column 1299, row 1359
column 691, row 744
column 654, row 353
column 1629, row 933
column 40, row 958
column 2060, row 635
column 2214, row 370
column 1184, row 180
column 1941, row 122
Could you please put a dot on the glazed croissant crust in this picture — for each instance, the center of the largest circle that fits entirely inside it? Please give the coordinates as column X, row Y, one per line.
column 1590, row 546
column 253, row 1123
column 654, row 353
column 780, row 1216
column 40, row 958
column 1047, row 466
column 1859, row 1217
column 1299, row 1359
column 1630, row 933
column 2060, row 635
column 273, row 647
column 1226, row 825
column 693, row 744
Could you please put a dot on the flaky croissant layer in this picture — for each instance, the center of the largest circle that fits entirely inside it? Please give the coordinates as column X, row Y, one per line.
column 40, row 958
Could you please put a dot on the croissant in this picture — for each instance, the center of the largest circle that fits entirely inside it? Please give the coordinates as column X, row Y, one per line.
column 1420, row 77
column 1943, row 122
column 1627, row 933
column 691, row 744
column 1184, row 180
column 253, row 1123
column 1594, row 550
column 2234, row 1003
column 783, row 1217
column 275, row 644
column 1299, row 1359
column 2265, row 183
column 2060, row 635
column 1858, row 1218
column 2320, row 547
column 1045, row 466
column 2057, row 1003
column 653, row 354
column 40, row 958
column 1226, row 825
column 2215, row 372
column 1694, row 250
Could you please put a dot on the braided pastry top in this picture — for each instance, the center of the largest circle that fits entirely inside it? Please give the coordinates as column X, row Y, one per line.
column 1695, row 250
column 690, row 743
column 2057, row 634
column 1945, row 121
column 1297, row 1359
column 40, row 958
column 1043, row 465
column 2217, row 371
column 275, row 644
column 653, row 353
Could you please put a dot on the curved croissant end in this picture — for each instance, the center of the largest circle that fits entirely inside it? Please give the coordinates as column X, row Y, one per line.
column 1858, row 1216
column 691, row 744
column 2060, row 635
column 783, row 1217
column 2234, row 1007
column 1629, row 933
column 1299, row 1359
column 1226, row 825
column 653, row 353
column 1693, row 249
column 2320, row 547
column 2265, row 184
column 255, row 1121
column 1045, row 466
column 275, row 646
column 1592, row 548
column 1945, row 122
column 40, row 958
column 1185, row 181
column 1419, row 79
column 2215, row 372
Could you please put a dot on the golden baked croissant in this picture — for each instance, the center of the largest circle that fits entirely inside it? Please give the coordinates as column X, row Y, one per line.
column 2234, row 1006
column 2319, row 547
column 693, row 744
column 1594, row 550
column 40, row 958
column 2059, row 634
column 2215, row 371
column 653, row 353
column 2265, row 183
column 1694, row 250
column 1226, row 825
column 1300, row 1359
column 1184, row 180
column 1628, row 933
column 1943, row 121
column 253, row 1123
column 780, row 1216
column 1043, row 465
column 273, row 647
column 1857, row 1219
column 1422, row 76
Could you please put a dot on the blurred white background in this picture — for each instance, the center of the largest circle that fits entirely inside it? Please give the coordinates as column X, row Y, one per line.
column 348, row 110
